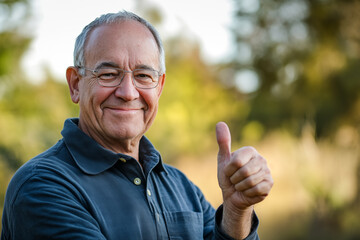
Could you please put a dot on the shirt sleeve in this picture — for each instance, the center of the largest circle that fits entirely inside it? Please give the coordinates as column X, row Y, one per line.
column 220, row 235
column 47, row 207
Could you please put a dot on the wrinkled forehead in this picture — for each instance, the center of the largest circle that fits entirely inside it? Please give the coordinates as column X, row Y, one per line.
column 127, row 37
column 123, row 31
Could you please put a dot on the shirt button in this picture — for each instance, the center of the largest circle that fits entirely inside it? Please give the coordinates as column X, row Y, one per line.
column 137, row 181
column 148, row 192
column 122, row 159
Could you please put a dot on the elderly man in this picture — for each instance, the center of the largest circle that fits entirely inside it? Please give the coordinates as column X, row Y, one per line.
column 104, row 179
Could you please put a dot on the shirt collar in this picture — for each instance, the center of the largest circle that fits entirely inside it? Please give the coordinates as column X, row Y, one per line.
column 150, row 158
column 93, row 159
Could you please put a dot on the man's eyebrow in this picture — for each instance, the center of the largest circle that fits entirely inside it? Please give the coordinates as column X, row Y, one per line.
column 114, row 65
column 107, row 64
column 143, row 66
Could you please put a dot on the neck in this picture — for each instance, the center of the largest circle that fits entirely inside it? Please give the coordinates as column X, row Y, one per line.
column 130, row 148
column 127, row 146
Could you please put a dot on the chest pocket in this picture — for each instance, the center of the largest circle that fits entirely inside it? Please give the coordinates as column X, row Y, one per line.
column 184, row 225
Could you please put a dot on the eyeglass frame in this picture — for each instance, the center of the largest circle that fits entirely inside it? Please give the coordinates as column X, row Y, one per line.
column 94, row 71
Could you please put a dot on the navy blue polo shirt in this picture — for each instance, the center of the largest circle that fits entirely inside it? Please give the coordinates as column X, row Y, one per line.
column 79, row 190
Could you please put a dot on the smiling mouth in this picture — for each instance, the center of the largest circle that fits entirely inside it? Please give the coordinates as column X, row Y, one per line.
column 123, row 110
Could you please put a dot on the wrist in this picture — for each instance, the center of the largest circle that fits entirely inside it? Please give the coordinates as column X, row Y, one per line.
column 237, row 222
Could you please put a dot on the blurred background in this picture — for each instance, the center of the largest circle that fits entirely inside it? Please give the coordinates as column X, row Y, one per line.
column 284, row 75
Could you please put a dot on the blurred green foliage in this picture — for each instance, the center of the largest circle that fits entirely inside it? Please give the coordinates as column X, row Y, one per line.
column 13, row 38
column 305, row 55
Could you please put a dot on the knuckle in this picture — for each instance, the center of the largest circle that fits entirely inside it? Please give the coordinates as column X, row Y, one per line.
column 236, row 162
column 245, row 172
column 239, row 187
column 271, row 182
column 249, row 149
column 262, row 160
column 259, row 189
column 251, row 181
column 233, row 179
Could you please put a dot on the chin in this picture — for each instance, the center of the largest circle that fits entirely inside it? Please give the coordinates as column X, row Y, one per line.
column 123, row 132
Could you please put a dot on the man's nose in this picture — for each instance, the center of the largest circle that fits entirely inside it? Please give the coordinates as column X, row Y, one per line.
column 127, row 90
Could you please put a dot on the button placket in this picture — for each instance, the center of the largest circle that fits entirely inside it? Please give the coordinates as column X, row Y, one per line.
column 149, row 189
column 131, row 169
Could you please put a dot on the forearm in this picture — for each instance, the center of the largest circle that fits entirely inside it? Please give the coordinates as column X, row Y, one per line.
column 44, row 209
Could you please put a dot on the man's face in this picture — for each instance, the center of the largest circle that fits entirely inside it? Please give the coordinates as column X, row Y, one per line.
column 112, row 115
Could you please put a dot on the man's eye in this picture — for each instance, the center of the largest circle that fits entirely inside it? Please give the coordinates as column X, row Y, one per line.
column 108, row 75
column 143, row 76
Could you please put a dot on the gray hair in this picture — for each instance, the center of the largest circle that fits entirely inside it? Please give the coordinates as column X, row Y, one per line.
column 79, row 50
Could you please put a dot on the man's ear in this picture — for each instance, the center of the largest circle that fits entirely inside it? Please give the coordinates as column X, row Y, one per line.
column 73, row 77
column 161, row 84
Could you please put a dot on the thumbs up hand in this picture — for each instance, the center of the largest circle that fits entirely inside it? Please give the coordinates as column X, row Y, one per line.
column 244, row 179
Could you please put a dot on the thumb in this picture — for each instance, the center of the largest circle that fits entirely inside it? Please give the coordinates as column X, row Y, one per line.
column 223, row 138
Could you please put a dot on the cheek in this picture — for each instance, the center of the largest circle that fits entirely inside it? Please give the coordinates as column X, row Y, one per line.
column 151, row 100
column 152, row 104
column 85, row 87
column 92, row 95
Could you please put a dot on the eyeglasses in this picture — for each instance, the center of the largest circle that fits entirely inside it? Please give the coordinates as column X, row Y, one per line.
column 112, row 77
